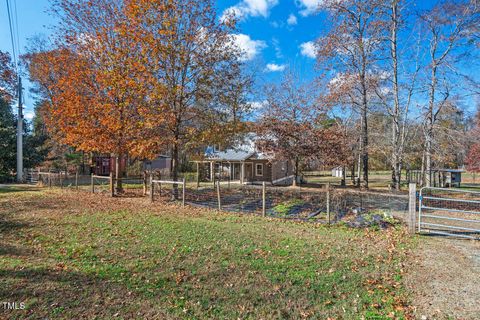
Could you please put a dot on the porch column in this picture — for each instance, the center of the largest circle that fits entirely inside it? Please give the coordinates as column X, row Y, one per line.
column 220, row 171
column 211, row 170
column 242, row 172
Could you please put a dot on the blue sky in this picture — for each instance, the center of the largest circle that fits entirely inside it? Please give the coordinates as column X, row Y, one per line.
column 274, row 33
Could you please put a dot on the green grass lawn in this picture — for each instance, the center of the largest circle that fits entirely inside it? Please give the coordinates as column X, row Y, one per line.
column 75, row 255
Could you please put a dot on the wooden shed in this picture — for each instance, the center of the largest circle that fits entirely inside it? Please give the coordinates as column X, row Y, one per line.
column 441, row 178
column 162, row 163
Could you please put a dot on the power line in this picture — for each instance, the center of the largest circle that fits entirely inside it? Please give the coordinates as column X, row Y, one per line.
column 12, row 35
column 17, row 32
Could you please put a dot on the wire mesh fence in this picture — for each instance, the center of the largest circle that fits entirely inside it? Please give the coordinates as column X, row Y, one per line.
column 323, row 205
column 318, row 205
column 235, row 199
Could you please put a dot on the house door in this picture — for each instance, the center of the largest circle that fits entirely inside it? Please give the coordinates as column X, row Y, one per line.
column 248, row 171
column 236, row 168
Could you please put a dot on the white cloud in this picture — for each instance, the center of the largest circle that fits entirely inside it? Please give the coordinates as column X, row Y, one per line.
column 292, row 20
column 342, row 79
column 278, row 49
column 259, row 105
column 273, row 67
column 308, row 49
column 309, row 6
column 29, row 115
column 250, row 8
column 250, row 48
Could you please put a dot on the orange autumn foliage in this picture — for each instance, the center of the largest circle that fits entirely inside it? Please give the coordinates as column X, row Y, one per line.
column 96, row 84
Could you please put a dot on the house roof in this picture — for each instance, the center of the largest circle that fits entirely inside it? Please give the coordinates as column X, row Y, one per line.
column 229, row 155
column 240, row 152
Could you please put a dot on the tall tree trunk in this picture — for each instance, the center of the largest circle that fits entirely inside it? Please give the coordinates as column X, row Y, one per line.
column 295, row 179
column 398, row 173
column 422, row 175
column 397, row 148
column 352, row 173
column 359, row 169
column 365, row 148
column 364, row 116
column 429, row 128
column 175, row 168
column 118, row 173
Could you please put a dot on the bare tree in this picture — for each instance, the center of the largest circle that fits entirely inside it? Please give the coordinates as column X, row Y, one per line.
column 351, row 48
column 449, row 28
column 399, row 89
column 294, row 128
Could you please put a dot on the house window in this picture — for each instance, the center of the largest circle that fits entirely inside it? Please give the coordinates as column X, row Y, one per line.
column 259, row 169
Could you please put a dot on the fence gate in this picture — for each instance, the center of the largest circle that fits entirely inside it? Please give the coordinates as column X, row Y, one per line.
column 449, row 212
column 31, row 176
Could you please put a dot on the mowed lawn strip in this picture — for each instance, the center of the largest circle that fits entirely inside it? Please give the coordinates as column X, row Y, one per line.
column 69, row 255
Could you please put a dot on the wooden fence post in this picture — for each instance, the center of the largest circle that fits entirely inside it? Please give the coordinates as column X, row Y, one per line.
column 151, row 177
column 218, row 196
column 61, row 179
column 49, row 179
column 198, row 175
column 152, row 188
column 264, row 202
column 92, row 184
column 145, row 186
column 412, row 208
column 183, row 192
column 112, row 184
column 328, row 203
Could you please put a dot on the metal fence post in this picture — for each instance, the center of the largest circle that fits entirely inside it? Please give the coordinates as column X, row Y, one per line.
column 92, row 184
column 183, row 192
column 412, row 207
column 76, row 179
column 218, row 196
column 328, row 203
column 264, row 192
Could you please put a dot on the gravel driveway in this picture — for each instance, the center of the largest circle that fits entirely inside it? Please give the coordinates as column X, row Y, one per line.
column 445, row 279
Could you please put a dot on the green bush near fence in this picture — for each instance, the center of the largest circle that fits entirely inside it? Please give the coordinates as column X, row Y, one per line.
column 286, row 207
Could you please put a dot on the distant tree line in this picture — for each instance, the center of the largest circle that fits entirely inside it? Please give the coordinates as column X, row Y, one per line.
column 403, row 76
column 393, row 89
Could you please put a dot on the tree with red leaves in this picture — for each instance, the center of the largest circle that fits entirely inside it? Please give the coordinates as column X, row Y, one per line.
column 296, row 129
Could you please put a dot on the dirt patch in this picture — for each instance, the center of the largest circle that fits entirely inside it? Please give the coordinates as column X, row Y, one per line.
column 445, row 279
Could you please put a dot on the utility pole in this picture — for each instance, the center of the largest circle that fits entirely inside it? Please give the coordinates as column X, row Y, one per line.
column 20, row 133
